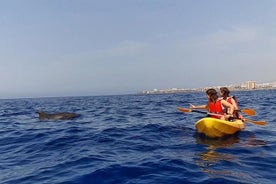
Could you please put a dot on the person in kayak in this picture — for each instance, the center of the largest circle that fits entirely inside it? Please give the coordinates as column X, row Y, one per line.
column 215, row 105
column 225, row 95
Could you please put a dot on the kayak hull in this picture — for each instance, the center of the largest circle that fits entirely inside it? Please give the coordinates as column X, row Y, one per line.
column 213, row 127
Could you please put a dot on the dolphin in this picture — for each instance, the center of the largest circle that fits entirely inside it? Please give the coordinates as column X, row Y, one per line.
column 56, row 116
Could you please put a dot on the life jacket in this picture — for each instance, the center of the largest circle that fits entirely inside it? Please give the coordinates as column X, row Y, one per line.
column 229, row 100
column 216, row 107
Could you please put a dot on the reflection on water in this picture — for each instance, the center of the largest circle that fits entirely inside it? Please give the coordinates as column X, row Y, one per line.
column 209, row 157
column 251, row 141
column 215, row 155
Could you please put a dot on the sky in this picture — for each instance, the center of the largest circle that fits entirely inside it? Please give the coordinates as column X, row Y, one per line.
column 113, row 47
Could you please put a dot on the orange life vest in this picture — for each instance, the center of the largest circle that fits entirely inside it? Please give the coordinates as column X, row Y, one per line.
column 216, row 107
column 229, row 100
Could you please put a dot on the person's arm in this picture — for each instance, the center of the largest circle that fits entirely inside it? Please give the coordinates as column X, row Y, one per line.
column 230, row 106
column 234, row 104
column 198, row 106
column 236, row 109
column 231, row 109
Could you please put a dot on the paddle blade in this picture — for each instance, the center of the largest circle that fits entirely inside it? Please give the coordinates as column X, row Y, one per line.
column 255, row 122
column 181, row 109
column 249, row 112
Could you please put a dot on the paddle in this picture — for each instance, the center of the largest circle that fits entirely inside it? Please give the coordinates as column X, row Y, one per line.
column 181, row 109
column 255, row 122
column 193, row 110
column 249, row 112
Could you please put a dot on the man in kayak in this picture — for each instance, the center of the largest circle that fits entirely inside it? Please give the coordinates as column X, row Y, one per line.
column 215, row 106
column 225, row 95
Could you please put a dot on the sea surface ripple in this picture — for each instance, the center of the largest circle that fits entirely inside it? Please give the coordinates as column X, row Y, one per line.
column 133, row 139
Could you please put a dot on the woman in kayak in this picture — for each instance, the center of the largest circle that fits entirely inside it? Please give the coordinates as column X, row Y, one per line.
column 225, row 95
column 215, row 105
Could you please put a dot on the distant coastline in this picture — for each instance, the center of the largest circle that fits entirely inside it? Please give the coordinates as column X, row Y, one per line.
column 249, row 85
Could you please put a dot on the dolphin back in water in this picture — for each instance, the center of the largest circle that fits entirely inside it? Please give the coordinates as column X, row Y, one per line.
column 56, row 116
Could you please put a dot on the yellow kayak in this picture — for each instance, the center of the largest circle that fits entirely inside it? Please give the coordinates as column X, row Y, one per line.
column 213, row 127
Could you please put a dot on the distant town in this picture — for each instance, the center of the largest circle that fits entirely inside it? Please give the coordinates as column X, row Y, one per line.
column 249, row 85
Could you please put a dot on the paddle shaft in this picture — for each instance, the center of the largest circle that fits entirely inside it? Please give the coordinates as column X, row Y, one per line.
column 214, row 114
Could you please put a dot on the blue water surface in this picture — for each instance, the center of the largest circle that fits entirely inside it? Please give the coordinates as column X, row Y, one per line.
column 133, row 139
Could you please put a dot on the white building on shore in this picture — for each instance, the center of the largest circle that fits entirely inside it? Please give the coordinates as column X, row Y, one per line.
column 251, row 85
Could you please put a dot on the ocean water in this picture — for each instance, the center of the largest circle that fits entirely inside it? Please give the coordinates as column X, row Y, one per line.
column 133, row 139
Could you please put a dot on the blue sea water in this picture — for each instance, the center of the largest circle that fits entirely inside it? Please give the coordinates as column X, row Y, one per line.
column 133, row 139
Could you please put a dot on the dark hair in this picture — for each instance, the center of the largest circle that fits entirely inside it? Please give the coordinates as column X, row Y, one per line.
column 236, row 100
column 212, row 93
column 225, row 92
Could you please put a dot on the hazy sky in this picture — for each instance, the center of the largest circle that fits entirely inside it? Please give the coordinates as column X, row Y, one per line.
column 103, row 47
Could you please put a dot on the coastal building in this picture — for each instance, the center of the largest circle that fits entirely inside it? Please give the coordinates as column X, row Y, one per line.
column 251, row 84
